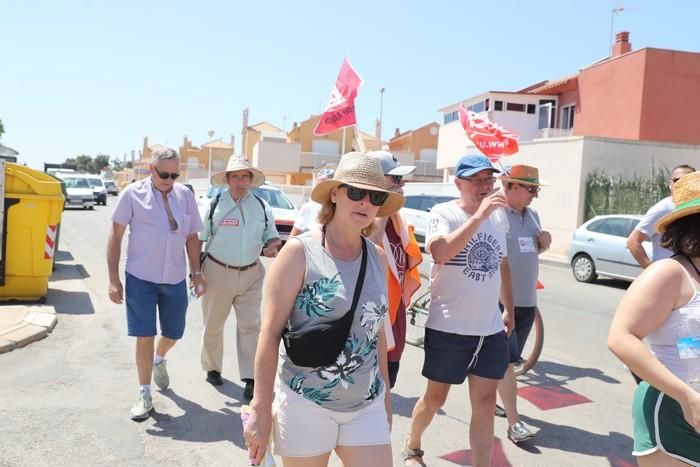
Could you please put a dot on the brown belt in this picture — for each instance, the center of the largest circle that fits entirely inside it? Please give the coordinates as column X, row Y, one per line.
column 237, row 268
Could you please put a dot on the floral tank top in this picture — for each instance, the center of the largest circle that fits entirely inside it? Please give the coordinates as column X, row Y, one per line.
column 354, row 380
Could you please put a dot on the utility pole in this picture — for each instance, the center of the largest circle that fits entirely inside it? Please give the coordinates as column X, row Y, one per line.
column 211, row 135
column 381, row 111
column 244, row 132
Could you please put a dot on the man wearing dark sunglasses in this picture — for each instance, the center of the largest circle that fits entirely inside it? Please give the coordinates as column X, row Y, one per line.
column 525, row 240
column 644, row 231
column 163, row 222
column 395, row 236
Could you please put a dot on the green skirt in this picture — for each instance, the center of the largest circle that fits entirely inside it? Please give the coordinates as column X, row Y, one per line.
column 659, row 425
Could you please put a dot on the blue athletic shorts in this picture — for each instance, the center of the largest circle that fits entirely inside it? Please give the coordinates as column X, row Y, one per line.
column 524, row 317
column 144, row 299
column 449, row 358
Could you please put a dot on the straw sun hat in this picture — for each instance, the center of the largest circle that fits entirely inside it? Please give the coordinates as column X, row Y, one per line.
column 686, row 197
column 238, row 162
column 361, row 171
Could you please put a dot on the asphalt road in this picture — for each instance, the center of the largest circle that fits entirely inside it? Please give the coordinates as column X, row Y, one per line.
column 65, row 400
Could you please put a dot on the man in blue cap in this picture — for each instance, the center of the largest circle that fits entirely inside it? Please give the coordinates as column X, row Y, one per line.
column 465, row 335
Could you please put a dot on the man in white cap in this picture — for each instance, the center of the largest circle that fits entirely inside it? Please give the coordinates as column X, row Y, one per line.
column 395, row 236
column 237, row 227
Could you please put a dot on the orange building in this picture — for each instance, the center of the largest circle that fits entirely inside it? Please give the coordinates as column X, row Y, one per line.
column 421, row 142
column 647, row 94
column 253, row 135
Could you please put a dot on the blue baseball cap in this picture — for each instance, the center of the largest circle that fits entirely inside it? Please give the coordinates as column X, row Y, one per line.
column 471, row 164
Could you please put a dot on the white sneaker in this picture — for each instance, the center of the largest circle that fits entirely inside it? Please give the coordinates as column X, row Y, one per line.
column 160, row 375
column 143, row 406
column 519, row 432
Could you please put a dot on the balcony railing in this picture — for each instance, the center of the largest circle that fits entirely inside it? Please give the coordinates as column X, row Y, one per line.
column 314, row 160
column 555, row 132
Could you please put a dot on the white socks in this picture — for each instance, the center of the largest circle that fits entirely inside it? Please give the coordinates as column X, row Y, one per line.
column 145, row 388
column 157, row 359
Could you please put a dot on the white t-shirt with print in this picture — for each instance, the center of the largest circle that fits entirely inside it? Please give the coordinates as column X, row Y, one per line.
column 465, row 290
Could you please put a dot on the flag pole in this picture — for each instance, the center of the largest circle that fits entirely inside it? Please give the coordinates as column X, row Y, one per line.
column 342, row 147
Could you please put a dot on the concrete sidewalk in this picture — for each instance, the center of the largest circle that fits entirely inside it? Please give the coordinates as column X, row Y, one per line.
column 24, row 323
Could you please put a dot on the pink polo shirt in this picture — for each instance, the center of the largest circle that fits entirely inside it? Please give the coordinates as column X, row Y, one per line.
column 154, row 252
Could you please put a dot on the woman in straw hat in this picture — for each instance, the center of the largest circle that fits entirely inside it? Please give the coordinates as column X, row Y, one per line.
column 344, row 406
column 666, row 409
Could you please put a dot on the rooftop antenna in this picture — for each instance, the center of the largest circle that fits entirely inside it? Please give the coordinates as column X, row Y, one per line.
column 618, row 9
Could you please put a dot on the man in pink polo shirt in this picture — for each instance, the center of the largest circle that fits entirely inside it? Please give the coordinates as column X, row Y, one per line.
column 163, row 221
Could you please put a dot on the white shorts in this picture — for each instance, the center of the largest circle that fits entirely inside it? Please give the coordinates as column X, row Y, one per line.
column 304, row 429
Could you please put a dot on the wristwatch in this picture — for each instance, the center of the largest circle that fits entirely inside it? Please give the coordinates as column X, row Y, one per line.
column 198, row 273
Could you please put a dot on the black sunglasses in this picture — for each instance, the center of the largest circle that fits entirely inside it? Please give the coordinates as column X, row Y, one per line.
column 531, row 189
column 165, row 175
column 377, row 198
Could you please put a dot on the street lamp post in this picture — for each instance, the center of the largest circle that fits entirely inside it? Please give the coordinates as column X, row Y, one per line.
column 381, row 111
column 211, row 135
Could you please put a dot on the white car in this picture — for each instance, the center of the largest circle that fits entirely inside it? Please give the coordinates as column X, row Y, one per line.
column 283, row 210
column 111, row 187
column 80, row 194
column 599, row 248
column 417, row 208
column 99, row 189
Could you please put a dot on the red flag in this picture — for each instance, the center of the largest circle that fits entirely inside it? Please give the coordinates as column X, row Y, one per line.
column 340, row 111
column 491, row 139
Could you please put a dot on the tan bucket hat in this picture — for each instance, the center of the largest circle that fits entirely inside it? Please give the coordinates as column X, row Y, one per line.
column 525, row 174
column 362, row 171
column 686, row 197
column 238, row 162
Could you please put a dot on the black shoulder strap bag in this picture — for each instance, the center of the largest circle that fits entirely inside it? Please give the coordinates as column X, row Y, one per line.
column 320, row 345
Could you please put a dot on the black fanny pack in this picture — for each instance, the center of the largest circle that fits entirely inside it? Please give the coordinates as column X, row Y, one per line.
column 320, row 345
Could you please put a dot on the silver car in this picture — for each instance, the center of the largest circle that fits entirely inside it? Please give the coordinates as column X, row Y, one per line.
column 599, row 248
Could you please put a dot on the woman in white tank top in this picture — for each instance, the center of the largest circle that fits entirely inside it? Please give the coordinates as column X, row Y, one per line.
column 666, row 410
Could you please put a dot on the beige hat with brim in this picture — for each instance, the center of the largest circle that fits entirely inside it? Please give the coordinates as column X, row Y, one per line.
column 361, row 171
column 238, row 162
column 686, row 197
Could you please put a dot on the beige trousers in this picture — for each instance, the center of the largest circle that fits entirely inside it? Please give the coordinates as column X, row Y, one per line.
column 242, row 290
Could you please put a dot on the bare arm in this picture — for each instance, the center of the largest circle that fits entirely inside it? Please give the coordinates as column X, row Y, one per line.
column 288, row 269
column 634, row 243
column 444, row 248
column 114, row 249
column 507, row 296
column 644, row 308
column 194, row 248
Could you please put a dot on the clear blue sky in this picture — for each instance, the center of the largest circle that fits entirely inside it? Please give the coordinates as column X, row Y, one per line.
column 90, row 76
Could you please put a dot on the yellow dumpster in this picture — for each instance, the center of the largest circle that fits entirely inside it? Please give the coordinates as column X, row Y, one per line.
column 32, row 205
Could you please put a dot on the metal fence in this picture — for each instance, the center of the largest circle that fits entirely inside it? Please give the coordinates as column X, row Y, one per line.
column 606, row 194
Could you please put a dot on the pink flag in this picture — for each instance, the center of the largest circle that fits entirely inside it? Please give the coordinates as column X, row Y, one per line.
column 491, row 139
column 340, row 111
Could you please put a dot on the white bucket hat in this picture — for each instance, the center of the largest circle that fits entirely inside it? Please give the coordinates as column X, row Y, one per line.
column 361, row 171
column 238, row 162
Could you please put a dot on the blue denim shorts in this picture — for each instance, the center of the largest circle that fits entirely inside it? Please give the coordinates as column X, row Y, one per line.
column 143, row 298
column 450, row 358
